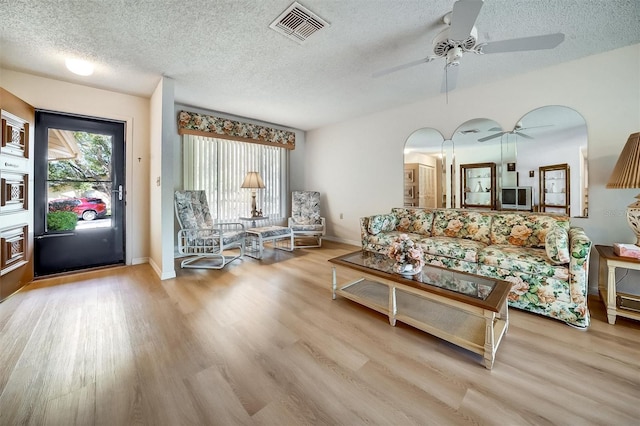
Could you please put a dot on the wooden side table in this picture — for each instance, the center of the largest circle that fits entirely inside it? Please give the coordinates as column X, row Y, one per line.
column 609, row 261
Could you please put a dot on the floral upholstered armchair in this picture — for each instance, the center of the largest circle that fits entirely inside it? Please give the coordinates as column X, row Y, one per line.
column 199, row 238
column 305, row 222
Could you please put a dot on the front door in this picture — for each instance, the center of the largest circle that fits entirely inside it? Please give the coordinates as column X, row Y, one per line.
column 79, row 193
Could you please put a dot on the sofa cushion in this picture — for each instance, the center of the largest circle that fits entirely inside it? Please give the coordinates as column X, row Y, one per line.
column 462, row 224
column 456, row 248
column 413, row 221
column 522, row 259
column 524, row 230
column 381, row 223
column 451, row 263
column 385, row 239
column 557, row 245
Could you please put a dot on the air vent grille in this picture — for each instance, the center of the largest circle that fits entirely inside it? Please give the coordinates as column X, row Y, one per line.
column 298, row 23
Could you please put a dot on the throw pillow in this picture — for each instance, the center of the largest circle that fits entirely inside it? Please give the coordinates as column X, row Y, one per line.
column 381, row 223
column 557, row 245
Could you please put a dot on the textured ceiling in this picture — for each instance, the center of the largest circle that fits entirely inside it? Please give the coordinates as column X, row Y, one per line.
column 224, row 57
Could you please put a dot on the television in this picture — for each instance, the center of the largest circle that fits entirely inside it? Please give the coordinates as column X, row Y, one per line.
column 516, row 198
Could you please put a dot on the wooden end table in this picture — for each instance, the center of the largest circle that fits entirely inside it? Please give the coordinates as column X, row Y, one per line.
column 609, row 261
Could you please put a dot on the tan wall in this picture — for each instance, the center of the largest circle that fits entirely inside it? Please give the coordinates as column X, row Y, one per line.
column 55, row 95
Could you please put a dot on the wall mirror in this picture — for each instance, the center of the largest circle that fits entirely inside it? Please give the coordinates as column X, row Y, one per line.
column 423, row 173
column 539, row 165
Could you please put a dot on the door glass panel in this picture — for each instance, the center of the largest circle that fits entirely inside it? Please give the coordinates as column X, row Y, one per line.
column 79, row 180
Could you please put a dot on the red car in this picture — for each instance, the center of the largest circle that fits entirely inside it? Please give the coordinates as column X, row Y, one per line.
column 85, row 208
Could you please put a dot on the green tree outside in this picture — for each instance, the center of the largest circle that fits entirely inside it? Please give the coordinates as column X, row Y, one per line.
column 90, row 170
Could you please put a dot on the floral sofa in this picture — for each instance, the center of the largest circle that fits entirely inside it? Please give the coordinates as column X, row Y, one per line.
column 544, row 258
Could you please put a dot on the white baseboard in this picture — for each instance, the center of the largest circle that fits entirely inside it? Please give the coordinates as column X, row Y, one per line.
column 168, row 275
column 158, row 271
column 155, row 267
column 342, row 240
column 139, row 260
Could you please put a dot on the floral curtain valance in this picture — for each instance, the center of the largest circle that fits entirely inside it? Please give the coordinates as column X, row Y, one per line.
column 208, row 125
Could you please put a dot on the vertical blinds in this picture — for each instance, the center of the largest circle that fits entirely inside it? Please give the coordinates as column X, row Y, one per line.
column 218, row 166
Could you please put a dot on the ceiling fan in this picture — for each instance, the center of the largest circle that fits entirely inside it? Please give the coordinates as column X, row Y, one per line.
column 518, row 130
column 461, row 36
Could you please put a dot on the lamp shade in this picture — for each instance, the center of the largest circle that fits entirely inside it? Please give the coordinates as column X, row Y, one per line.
column 626, row 173
column 252, row 180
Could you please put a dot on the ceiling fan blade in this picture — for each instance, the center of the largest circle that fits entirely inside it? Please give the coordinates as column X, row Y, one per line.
column 488, row 138
column 401, row 67
column 524, row 135
column 464, row 15
column 535, row 127
column 548, row 41
column 450, row 78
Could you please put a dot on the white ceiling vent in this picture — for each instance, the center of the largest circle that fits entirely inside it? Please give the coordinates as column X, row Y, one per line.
column 298, row 23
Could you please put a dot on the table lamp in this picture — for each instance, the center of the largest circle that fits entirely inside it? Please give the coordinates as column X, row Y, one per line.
column 253, row 181
column 626, row 174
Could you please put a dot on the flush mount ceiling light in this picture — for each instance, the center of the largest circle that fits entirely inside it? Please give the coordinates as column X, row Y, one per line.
column 79, row 66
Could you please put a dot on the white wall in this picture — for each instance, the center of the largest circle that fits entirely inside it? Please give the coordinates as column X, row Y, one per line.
column 55, row 95
column 161, row 175
column 358, row 164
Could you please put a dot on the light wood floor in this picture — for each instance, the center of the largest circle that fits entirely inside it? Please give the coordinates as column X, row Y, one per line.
column 262, row 343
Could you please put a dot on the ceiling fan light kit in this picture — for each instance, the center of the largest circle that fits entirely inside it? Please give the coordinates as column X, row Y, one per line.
column 461, row 36
column 443, row 44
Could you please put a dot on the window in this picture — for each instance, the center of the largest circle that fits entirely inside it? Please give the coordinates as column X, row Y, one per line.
column 218, row 166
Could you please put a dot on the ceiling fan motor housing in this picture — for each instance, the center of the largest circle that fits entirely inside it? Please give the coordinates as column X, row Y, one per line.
column 442, row 44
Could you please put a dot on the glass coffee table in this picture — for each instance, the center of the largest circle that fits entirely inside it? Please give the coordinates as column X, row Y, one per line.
column 467, row 310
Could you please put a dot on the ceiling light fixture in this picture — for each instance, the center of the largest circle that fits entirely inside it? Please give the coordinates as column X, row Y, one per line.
column 79, row 66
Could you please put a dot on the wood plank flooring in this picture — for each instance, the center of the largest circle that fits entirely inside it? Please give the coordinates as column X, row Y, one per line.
column 263, row 343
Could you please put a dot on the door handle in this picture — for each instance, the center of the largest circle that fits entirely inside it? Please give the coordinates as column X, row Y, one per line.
column 119, row 191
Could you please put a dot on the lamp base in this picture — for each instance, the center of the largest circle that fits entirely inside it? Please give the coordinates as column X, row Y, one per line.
column 254, row 211
column 633, row 218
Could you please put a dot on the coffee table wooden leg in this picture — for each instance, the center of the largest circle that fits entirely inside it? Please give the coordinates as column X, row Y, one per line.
column 393, row 307
column 504, row 315
column 489, row 342
column 334, row 284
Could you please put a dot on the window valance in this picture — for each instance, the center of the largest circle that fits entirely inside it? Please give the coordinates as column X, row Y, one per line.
column 191, row 123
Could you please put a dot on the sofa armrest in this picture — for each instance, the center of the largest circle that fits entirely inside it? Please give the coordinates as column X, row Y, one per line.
column 364, row 231
column 580, row 250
